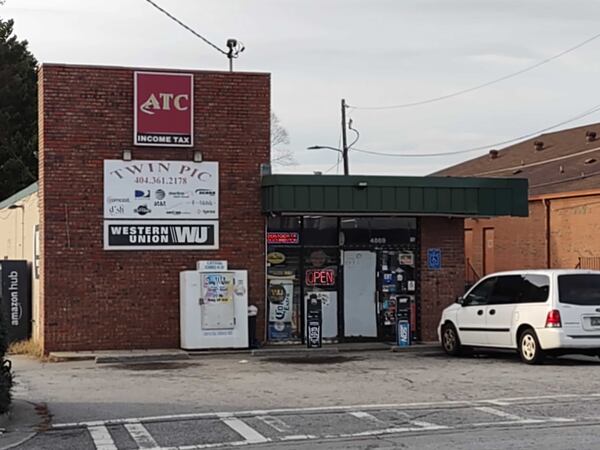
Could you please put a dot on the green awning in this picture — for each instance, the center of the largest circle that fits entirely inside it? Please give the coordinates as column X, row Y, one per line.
column 382, row 195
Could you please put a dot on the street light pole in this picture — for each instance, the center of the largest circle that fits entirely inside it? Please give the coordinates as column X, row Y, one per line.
column 344, row 141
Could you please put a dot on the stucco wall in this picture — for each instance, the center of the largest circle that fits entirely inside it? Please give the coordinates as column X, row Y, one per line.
column 17, row 242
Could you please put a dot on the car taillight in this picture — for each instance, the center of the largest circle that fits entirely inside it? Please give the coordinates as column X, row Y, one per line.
column 553, row 319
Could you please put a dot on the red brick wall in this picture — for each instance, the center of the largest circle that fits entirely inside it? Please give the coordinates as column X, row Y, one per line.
column 439, row 288
column 575, row 230
column 96, row 299
column 520, row 242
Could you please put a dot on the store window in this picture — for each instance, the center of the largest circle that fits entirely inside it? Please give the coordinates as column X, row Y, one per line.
column 320, row 231
column 284, row 278
column 321, row 281
column 378, row 231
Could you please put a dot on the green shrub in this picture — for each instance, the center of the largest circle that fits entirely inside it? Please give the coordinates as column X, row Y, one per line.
column 6, row 378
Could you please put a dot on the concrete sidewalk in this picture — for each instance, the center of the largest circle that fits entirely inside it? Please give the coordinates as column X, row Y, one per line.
column 22, row 423
column 162, row 355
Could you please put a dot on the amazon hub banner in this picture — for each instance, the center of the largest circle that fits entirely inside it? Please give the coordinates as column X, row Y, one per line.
column 161, row 205
column 15, row 299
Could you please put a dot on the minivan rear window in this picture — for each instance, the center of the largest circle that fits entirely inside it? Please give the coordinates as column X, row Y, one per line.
column 580, row 289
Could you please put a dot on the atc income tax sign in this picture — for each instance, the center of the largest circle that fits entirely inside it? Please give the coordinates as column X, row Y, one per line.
column 163, row 109
column 161, row 190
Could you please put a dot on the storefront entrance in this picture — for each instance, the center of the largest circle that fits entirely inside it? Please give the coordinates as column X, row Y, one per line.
column 379, row 286
column 362, row 269
column 360, row 312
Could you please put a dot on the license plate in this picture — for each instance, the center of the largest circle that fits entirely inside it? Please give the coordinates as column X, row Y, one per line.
column 595, row 321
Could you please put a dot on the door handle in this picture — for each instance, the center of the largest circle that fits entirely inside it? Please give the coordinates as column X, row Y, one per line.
column 480, row 312
column 492, row 312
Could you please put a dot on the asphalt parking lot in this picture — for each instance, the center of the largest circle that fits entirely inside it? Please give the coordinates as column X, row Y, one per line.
column 243, row 400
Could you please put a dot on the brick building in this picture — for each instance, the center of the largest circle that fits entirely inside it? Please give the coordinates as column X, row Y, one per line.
column 563, row 169
column 117, row 144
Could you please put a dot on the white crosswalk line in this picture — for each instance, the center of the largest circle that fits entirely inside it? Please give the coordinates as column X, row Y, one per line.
column 242, row 428
column 102, row 438
column 365, row 415
column 275, row 422
column 141, row 435
column 499, row 413
column 428, row 425
column 420, row 423
column 497, row 402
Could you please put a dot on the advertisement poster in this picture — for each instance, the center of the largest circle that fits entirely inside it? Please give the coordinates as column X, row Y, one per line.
column 145, row 189
column 15, row 299
column 163, row 109
column 280, row 295
column 217, row 288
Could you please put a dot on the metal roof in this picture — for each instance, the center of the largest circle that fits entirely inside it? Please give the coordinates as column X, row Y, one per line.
column 383, row 195
column 31, row 189
column 561, row 161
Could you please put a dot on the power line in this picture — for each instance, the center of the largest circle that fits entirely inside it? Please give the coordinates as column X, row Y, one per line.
column 198, row 35
column 339, row 158
column 483, row 147
column 480, row 86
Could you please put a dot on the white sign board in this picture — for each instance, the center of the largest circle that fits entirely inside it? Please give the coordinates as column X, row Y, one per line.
column 211, row 265
column 175, row 190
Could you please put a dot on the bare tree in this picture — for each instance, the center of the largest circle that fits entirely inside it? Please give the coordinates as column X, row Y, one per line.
column 281, row 155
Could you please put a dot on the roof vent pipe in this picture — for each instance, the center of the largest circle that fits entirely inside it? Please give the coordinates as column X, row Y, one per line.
column 538, row 145
column 590, row 136
column 493, row 154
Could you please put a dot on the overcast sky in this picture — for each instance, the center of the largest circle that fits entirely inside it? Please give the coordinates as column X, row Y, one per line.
column 372, row 53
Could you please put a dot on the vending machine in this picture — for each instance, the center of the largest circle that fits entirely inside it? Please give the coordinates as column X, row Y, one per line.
column 213, row 309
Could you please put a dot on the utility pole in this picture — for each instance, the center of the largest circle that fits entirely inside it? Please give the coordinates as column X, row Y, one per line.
column 344, row 142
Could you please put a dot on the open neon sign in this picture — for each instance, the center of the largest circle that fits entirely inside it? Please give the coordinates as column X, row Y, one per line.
column 320, row 277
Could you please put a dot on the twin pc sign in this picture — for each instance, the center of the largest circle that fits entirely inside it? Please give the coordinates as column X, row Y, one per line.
column 163, row 109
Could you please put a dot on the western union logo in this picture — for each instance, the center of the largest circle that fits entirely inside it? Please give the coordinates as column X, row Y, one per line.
column 150, row 235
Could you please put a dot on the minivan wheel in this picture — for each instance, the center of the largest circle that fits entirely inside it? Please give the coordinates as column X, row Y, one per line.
column 450, row 340
column 529, row 348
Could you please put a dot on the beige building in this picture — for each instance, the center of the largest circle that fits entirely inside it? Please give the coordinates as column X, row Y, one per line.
column 19, row 239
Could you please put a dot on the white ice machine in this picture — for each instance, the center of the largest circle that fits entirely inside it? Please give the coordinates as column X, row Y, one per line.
column 213, row 309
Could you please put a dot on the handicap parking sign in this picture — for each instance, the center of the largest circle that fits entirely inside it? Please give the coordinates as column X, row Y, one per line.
column 434, row 258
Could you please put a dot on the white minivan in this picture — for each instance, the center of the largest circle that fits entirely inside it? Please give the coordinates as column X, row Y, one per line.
column 537, row 312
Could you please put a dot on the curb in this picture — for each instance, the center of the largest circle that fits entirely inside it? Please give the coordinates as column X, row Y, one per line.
column 108, row 359
column 418, row 348
column 295, row 352
column 184, row 355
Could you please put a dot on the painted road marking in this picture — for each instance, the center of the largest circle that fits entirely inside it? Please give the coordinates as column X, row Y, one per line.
column 420, row 423
column 320, row 409
column 141, row 435
column 298, row 437
column 428, row 425
column 366, row 416
column 243, row 429
column 498, row 403
column 102, row 438
column 499, row 413
column 275, row 422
